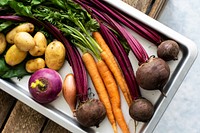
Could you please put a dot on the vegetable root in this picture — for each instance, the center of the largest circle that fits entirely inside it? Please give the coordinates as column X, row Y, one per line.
column 91, row 113
column 141, row 110
column 3, row 43
column 45, row 85
column 168, row 50
column 113, row 66
column 100, row 87
column 113, row 93
column 69, row 91
column 111, row 62
column 153, row 74
column 117, row 74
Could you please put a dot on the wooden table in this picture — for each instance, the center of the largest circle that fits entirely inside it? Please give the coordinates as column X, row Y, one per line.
column 16, row 117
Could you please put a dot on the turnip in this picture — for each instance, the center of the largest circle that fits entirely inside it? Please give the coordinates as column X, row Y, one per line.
column 168, row 50
column 44, row 85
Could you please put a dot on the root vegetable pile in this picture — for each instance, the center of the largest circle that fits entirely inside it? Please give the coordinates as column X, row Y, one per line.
column 90, row 35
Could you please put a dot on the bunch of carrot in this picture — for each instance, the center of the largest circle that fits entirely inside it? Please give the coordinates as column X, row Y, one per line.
column 104, row 74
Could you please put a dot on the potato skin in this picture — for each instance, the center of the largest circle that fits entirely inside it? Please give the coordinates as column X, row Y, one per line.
column 14, row 56
column 40, row 45
column 35, row 64
column 55, row 55
column 25, row 27
column 3, row 43
column 24, row 41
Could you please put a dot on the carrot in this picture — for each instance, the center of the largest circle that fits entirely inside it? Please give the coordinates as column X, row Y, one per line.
column 113, row 93
column 100, row 87
column 109, row 58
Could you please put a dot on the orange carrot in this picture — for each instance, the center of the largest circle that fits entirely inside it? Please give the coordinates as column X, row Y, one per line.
column 113, row 65
column 113, row 93
column 100, row 87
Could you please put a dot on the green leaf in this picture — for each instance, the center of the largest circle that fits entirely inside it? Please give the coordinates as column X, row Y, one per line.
column 5, row 25
column 60, row 3
column 36, row 2
column 3, row 66
column 4, row 2
column 20, row 8
column 7, row 71
column 17, row 71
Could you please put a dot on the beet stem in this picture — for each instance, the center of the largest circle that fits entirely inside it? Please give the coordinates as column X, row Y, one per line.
column 128, row 21
column 123, row 60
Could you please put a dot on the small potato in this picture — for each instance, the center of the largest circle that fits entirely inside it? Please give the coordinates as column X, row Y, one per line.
column 2, row 43
column 24, row 41
column 25, row 27
column 35, row 64
column 40, row 44
column 14, row 56
column 55, row 55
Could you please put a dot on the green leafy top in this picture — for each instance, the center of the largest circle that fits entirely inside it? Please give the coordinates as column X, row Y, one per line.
column 65, row 11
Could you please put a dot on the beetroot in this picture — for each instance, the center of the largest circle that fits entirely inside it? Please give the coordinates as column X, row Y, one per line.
column 168, row 50
column 141, row 110
column 153, row 74
column 91, row 113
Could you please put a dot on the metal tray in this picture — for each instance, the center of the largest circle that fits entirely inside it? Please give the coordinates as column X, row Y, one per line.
column 59, row 111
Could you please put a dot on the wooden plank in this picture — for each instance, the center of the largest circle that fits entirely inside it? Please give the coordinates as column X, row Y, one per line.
column 52, row 127
column 24, row 119
column 149, row 7
column 142, row 5
column 6, row 104
column 156, row 8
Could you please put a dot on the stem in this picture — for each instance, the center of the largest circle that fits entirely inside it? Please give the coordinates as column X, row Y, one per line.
column 82, row 39
column 122, row 59
column 92, row 41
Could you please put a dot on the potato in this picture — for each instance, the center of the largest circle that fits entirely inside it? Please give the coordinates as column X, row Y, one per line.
column 3, row 43
column 25, row 27
column 40, row 44
column 55, row 55
column 24, row 41
column 35, row 64
column 14, row 56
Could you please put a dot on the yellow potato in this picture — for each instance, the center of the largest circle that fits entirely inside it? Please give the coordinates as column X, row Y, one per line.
column 35, row 64
column 2, row 43
column 14, row 56
column 55, row 55
column 40, row 44
column 25, row 27
column 24, row 41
